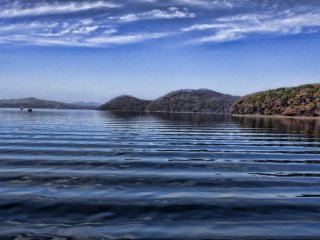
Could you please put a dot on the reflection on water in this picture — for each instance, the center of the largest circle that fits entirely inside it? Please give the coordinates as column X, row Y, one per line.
column 190, row 118
column 110, row 175
column 307, row 126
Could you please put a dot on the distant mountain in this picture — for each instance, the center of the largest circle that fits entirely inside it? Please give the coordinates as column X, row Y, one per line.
column 37, row 103
column 201, row 100
column 125, row 103
column 295, row 101
column 88, row 104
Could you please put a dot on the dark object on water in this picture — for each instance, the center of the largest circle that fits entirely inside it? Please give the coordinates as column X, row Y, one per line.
column 21, row 109
column 29, row 110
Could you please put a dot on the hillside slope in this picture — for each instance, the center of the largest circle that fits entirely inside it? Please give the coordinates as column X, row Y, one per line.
column 38, row 103
column 125, row 103
column 201, row 100
column 295, row 101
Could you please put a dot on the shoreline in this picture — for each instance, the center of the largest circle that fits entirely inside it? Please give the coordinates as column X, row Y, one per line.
column 211, row 113
column 195, row 113
column 164, row 112
column 275, row 116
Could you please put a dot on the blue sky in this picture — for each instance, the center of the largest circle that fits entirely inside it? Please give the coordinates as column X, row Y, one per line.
column 94, row 50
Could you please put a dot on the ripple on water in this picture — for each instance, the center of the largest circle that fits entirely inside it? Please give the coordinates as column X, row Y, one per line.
column 88, row 174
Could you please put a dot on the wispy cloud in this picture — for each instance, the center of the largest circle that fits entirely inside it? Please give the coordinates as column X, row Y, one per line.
column 125, row 39
column 241, row 26
column 76, row 41
column 17, row 9
column 209, row 3
column 169, row 13
column 71, row 34
column 98, row 23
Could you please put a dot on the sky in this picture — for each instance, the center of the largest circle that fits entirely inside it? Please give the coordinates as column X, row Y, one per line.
column 94, row 50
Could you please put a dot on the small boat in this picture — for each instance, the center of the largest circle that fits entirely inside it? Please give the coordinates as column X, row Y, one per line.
column 30, row 110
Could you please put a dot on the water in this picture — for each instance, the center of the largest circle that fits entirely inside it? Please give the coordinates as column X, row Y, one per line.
column 87, row 174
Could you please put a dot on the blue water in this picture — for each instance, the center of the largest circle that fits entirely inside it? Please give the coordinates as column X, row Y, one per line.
column 99, row 175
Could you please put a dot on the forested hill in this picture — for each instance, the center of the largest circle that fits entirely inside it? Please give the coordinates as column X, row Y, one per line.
column 295, row 101
column 39, row 103
column 190, row 100
column 125, row 103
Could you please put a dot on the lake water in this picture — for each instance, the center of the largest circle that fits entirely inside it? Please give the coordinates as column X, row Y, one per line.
column 99, row 175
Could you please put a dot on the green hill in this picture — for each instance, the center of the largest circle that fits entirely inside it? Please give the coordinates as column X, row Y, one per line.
column 295, row 101
column 125, row 103
column 39, row 103
column 189, row 100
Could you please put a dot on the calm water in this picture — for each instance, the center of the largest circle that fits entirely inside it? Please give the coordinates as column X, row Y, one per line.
column 98, row 175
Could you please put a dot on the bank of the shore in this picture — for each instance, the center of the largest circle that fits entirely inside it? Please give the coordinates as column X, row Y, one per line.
column 274, row 116
column 297, row 101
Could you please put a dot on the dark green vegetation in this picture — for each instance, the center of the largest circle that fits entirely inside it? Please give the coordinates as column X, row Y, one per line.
column 296, row 101
column 202, row 100
column 125, row 103
column 88, row 104
column 39, row 103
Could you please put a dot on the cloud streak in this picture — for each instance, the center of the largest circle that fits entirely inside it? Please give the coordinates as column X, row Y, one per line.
column 217, row 4
column 16, row 9
column 242, row 26
column 99, row 23
column 72, row 34
column 125, row 39
column 170, row 13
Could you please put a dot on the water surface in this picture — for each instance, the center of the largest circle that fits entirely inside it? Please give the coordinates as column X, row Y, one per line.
column 85, row 174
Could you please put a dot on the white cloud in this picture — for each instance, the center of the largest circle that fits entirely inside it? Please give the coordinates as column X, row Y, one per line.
column 51, row 31
column 209, row 3
column 11, row 28
column 125, row 39
column 16, row 9
column 224, row 36
column 240, row 26
column 86, row 21
column 104, row 28
column 170, row 13
column 71, row 34
column 199, row 27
